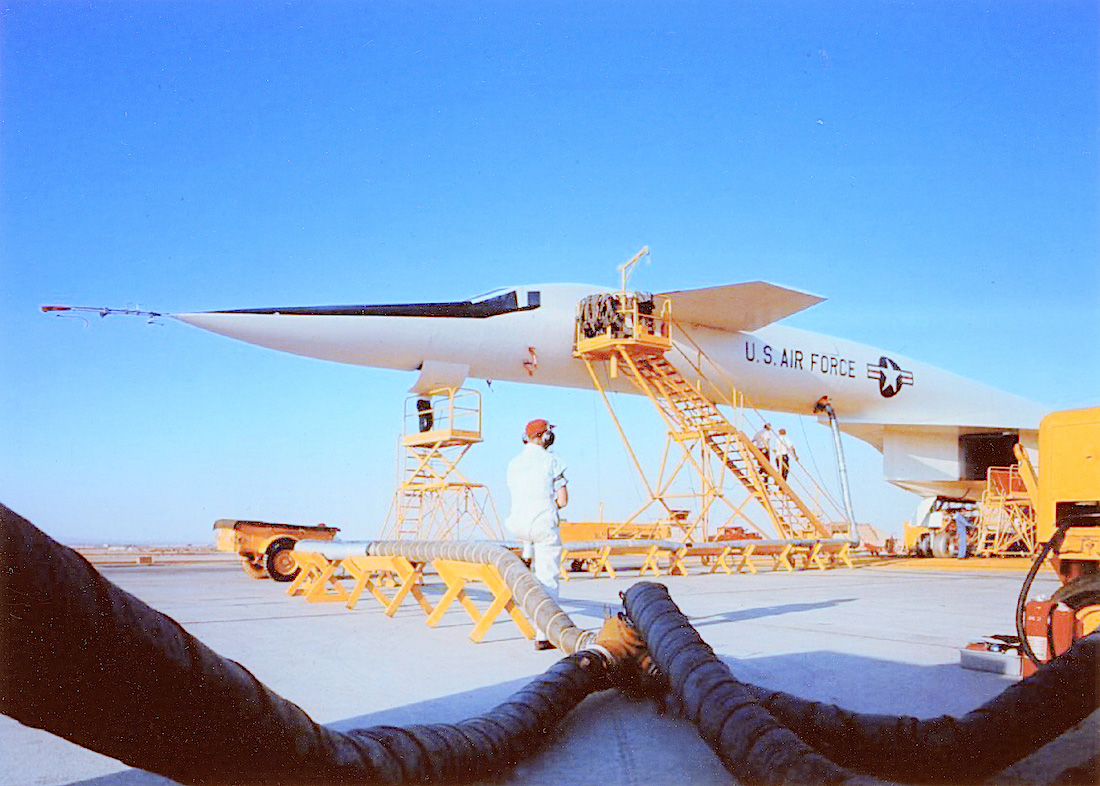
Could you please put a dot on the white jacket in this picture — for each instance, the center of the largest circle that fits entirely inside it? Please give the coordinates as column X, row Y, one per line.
column 534, row 477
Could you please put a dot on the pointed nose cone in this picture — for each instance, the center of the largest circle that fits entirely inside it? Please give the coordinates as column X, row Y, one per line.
column 344, row 339
column 266, row 330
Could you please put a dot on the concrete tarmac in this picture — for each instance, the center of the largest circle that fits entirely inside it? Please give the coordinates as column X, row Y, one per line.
column 880, row 639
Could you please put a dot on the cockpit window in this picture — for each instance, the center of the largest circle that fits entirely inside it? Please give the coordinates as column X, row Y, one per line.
column 491, row 304
column 490, row 295
column 497, row 304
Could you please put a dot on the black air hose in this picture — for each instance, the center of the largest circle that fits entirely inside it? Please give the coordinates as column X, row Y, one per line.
column 1009, row 727
column 752, row 744
column 958, row 750
column 85, row 660
column 1025, row 590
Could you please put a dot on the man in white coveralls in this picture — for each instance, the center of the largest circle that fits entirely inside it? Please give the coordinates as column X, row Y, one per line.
column 536, row 481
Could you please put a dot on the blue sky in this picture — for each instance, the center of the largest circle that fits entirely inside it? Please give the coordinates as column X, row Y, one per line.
column 930, row 168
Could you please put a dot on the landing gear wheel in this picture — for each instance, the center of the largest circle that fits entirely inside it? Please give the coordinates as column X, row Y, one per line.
column 941, row 545
column 279, row 561
column 255, row 570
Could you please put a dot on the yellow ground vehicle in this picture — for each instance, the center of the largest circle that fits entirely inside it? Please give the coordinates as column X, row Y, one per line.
column 265, row 548
column 1066, row 495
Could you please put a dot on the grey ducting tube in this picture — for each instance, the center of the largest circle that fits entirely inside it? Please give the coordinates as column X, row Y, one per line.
column 539, row 607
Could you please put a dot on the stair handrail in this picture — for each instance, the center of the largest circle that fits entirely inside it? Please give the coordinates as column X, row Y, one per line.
column 823, row 500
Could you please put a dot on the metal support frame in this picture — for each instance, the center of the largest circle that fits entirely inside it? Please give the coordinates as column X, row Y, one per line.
column 633, row 340
column 1006, row 522
column 434, row 500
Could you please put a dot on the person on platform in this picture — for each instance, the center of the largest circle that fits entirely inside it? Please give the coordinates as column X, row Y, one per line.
column 536, row 481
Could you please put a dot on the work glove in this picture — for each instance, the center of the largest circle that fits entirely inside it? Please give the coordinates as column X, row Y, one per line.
column 635, row 672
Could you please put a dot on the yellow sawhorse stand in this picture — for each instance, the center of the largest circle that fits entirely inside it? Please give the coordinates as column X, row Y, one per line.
column 600, row 559
column 823, row 556
column 721, row 555
column 781, row 556
column 455, row 574
column 370, row 571
column 318, row 579
column 601, row 563
column 568, row 556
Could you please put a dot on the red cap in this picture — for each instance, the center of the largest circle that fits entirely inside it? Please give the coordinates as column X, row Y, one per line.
column 536, row 427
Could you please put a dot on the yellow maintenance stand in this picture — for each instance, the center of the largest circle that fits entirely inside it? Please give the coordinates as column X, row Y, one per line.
column 1006, row 520
column 434, row 500
column 629, row 334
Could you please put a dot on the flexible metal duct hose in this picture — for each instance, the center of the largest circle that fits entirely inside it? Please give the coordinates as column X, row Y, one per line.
column 85, row 660
column 770, row 737
column 539, row 607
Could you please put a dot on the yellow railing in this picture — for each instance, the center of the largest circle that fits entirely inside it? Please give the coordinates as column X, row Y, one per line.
column 443, row 414
column 608, row 320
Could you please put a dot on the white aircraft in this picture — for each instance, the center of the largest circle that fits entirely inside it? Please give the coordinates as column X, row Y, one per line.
column 936, row 430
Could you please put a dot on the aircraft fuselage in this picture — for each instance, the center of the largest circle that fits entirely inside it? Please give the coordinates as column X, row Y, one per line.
column 526, row 334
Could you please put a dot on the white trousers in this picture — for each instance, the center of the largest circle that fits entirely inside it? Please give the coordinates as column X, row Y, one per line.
column 545, row 556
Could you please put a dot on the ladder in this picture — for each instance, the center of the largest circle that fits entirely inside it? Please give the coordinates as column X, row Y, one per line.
column 690, row 414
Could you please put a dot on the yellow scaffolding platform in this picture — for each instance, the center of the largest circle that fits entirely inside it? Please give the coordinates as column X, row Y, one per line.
column 434, row 500
column 1006, row 515
column 627, row 334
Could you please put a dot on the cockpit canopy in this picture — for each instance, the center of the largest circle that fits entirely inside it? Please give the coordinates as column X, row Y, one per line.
column 490, row 304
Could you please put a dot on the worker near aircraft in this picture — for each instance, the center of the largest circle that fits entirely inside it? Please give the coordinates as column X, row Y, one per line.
column 784, row 452
column 962, row 523
column 536, row 481
column 763, row 440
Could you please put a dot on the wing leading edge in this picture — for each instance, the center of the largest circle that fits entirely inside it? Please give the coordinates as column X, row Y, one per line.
column 737, row 307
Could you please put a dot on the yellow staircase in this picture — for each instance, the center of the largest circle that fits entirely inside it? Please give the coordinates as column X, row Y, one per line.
column 688, row 413
column 631, row 335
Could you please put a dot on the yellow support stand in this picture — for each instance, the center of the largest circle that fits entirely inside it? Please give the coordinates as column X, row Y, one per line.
column 455, row 575
column 780, row 555
column 602, row 563
column 825, row 555
column 721, row 555
column 651, row 561
column 1006, row 524
column 318, row 579
column 369, row 572
column 434, row 500
column 746, row 559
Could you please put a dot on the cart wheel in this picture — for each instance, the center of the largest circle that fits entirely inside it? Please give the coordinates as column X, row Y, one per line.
column 255, row 570
column 576, row 566
column 279, row 561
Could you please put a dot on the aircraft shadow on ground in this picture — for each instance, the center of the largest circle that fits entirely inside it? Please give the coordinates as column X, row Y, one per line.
column 614, row 740
column 741, row 615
